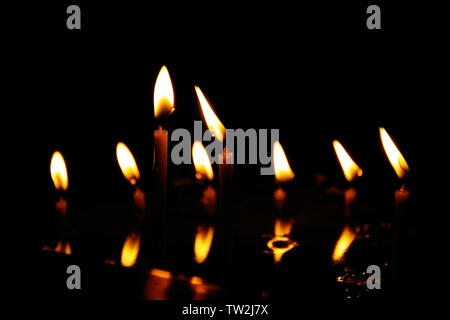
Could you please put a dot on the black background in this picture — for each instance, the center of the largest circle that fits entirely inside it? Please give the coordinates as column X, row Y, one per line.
column 311, row 69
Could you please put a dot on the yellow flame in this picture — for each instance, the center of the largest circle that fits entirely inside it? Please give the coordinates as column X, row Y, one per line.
column 58, row 171
column 203, row 241
column 212, row 121
column 283, row 172
column 127, row 163
column 281, row 243
column 163, row 97
column 347, row 237
column 396, row 159
column 130, row 249
column 349, row 167
column 201, row 161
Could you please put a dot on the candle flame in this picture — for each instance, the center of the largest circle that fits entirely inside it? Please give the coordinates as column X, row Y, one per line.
column 212, row 121
column 58, row 171
column 349, row 167
column 63, row 247
column 281, row 243
column 203, row 240
column 396, row 159
column 130, row 249
column 201, row 161
column 347, row 237
column 127, row 163
column 163, row 97
column 283, row 172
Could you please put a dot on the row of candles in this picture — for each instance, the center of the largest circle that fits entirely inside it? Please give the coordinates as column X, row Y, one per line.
column 212, row 201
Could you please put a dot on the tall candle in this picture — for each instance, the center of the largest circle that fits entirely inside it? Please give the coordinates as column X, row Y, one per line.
column 401, row 169
column 163, row 102
column 58, row 171
column 351, row 170
column 225, row 232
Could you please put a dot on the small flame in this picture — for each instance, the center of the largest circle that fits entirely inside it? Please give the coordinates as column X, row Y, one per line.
column 203, row 241
column 58, row 171
column 347, row 237
column 130, row 249
column 201, row 161
column 163, row 97
column 349, row 167
column 212, row 121
column 283, row 172
column 396, row 159
column 127, row 163
column 63, row 247
column 281, row 243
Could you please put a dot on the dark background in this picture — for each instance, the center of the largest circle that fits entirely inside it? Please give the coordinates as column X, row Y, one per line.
column 311, row 69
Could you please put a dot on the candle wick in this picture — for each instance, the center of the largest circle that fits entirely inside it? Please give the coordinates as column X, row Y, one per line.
column 160, row 127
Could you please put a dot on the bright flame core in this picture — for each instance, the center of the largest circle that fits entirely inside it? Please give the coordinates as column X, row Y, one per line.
column 163, row 97
column 127, row 163
column 58, row 171
column 283, row 172
column 347, row 237
column 203, row 241
column 212, row 121
column 201, row 161
column 396, row 159
column 349, row 167
column 130, row 250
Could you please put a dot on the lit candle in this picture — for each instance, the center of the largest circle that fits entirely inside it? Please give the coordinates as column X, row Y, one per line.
column 401, row 169
column 351, row 170
column 204, row 172
column 281, row 243
column 218, row 130
column 283, row 174
column 163, row 102
column 58, row 171
column 131, row 172
column 130, row 250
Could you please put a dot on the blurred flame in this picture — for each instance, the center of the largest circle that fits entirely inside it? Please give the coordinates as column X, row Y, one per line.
column 396, row 159
column 127, row 163
column 201, row 161
column 203, row 241
column 281, row 243
column 348, row 235
column 130, row 249
column 58, row 171
column 212, row 121
column 63, row 247
column 163, row 97
column 283, row 172
column 349, row 167
column 161, row 273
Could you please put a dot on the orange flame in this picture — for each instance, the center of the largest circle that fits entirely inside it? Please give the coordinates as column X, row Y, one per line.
column 281, row 243
column 203, row 241
column 163, row 97
column 201, row 161
column 396, row 159
column 212, row 121
column 283, row 172
column 347, row 237
column 63, row 247
column 58, row 171
column 130, row 249
column 349, row 167
column 127, row 163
